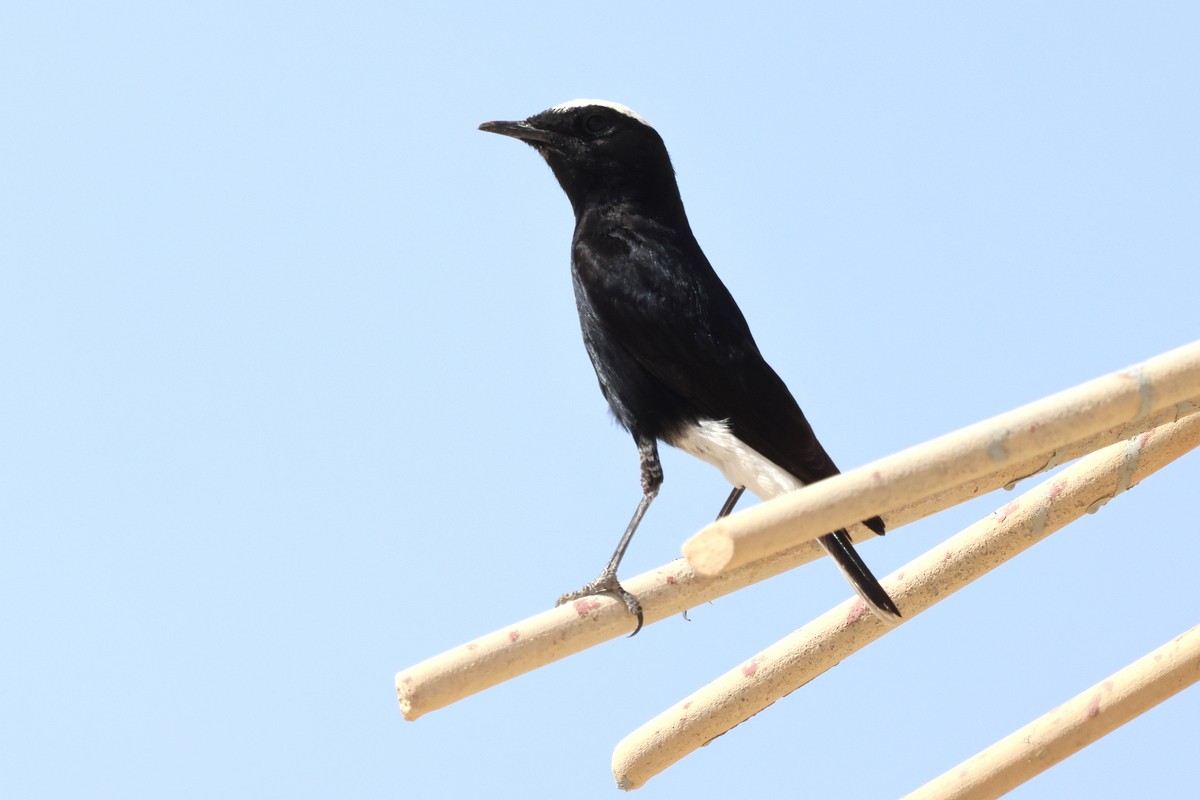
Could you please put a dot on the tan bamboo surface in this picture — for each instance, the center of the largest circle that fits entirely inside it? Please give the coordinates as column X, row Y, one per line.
column 787, row 665
column 1156, row 386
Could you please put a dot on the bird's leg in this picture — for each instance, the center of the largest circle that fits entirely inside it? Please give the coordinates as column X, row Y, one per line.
column 731, row 501
column 607, row 583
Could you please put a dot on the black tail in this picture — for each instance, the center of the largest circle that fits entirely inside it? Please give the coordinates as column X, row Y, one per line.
column 842, row 551
column 876, row 525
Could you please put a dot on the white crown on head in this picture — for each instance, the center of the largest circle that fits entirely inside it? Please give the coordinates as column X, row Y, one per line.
column 626, row 110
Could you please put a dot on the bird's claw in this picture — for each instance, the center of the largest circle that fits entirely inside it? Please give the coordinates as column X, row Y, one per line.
column 607, row 584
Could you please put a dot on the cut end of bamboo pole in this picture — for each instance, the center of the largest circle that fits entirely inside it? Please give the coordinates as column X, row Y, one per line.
column 624, row 760
column 406, row 704
column 709, row 551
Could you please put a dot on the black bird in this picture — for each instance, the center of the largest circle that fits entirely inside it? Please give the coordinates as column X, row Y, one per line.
column 671, row 349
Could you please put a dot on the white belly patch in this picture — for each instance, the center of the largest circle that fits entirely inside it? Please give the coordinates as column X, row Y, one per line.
column 712, row 441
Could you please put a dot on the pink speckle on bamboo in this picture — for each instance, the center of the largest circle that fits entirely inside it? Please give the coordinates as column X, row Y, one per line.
column 585, row 605
column 1008, row 509
column 1093, row 706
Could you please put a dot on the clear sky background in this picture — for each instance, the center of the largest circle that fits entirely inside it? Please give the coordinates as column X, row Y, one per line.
column 294, row 395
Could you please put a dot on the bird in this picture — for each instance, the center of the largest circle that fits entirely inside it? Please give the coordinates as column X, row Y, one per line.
column 671, row 349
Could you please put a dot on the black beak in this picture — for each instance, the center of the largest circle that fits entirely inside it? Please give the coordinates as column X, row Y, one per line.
column 519, row 130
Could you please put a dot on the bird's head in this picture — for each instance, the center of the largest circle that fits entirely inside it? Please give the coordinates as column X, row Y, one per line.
column 600, row 152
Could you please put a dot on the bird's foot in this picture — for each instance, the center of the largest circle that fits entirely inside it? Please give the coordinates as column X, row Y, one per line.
column 607, row 583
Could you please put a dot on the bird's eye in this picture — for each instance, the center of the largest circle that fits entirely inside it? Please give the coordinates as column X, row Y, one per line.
column 595, row 123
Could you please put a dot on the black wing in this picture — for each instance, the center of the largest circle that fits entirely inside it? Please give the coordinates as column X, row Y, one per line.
column 647, row 293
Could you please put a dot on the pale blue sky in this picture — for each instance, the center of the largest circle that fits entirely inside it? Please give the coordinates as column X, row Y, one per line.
column 295, row 397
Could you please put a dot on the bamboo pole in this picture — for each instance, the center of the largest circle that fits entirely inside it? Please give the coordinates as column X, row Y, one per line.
column 890, row 483
column 1072, row 726
column 1008, row 475
column 674, row 587
column 785, row 666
